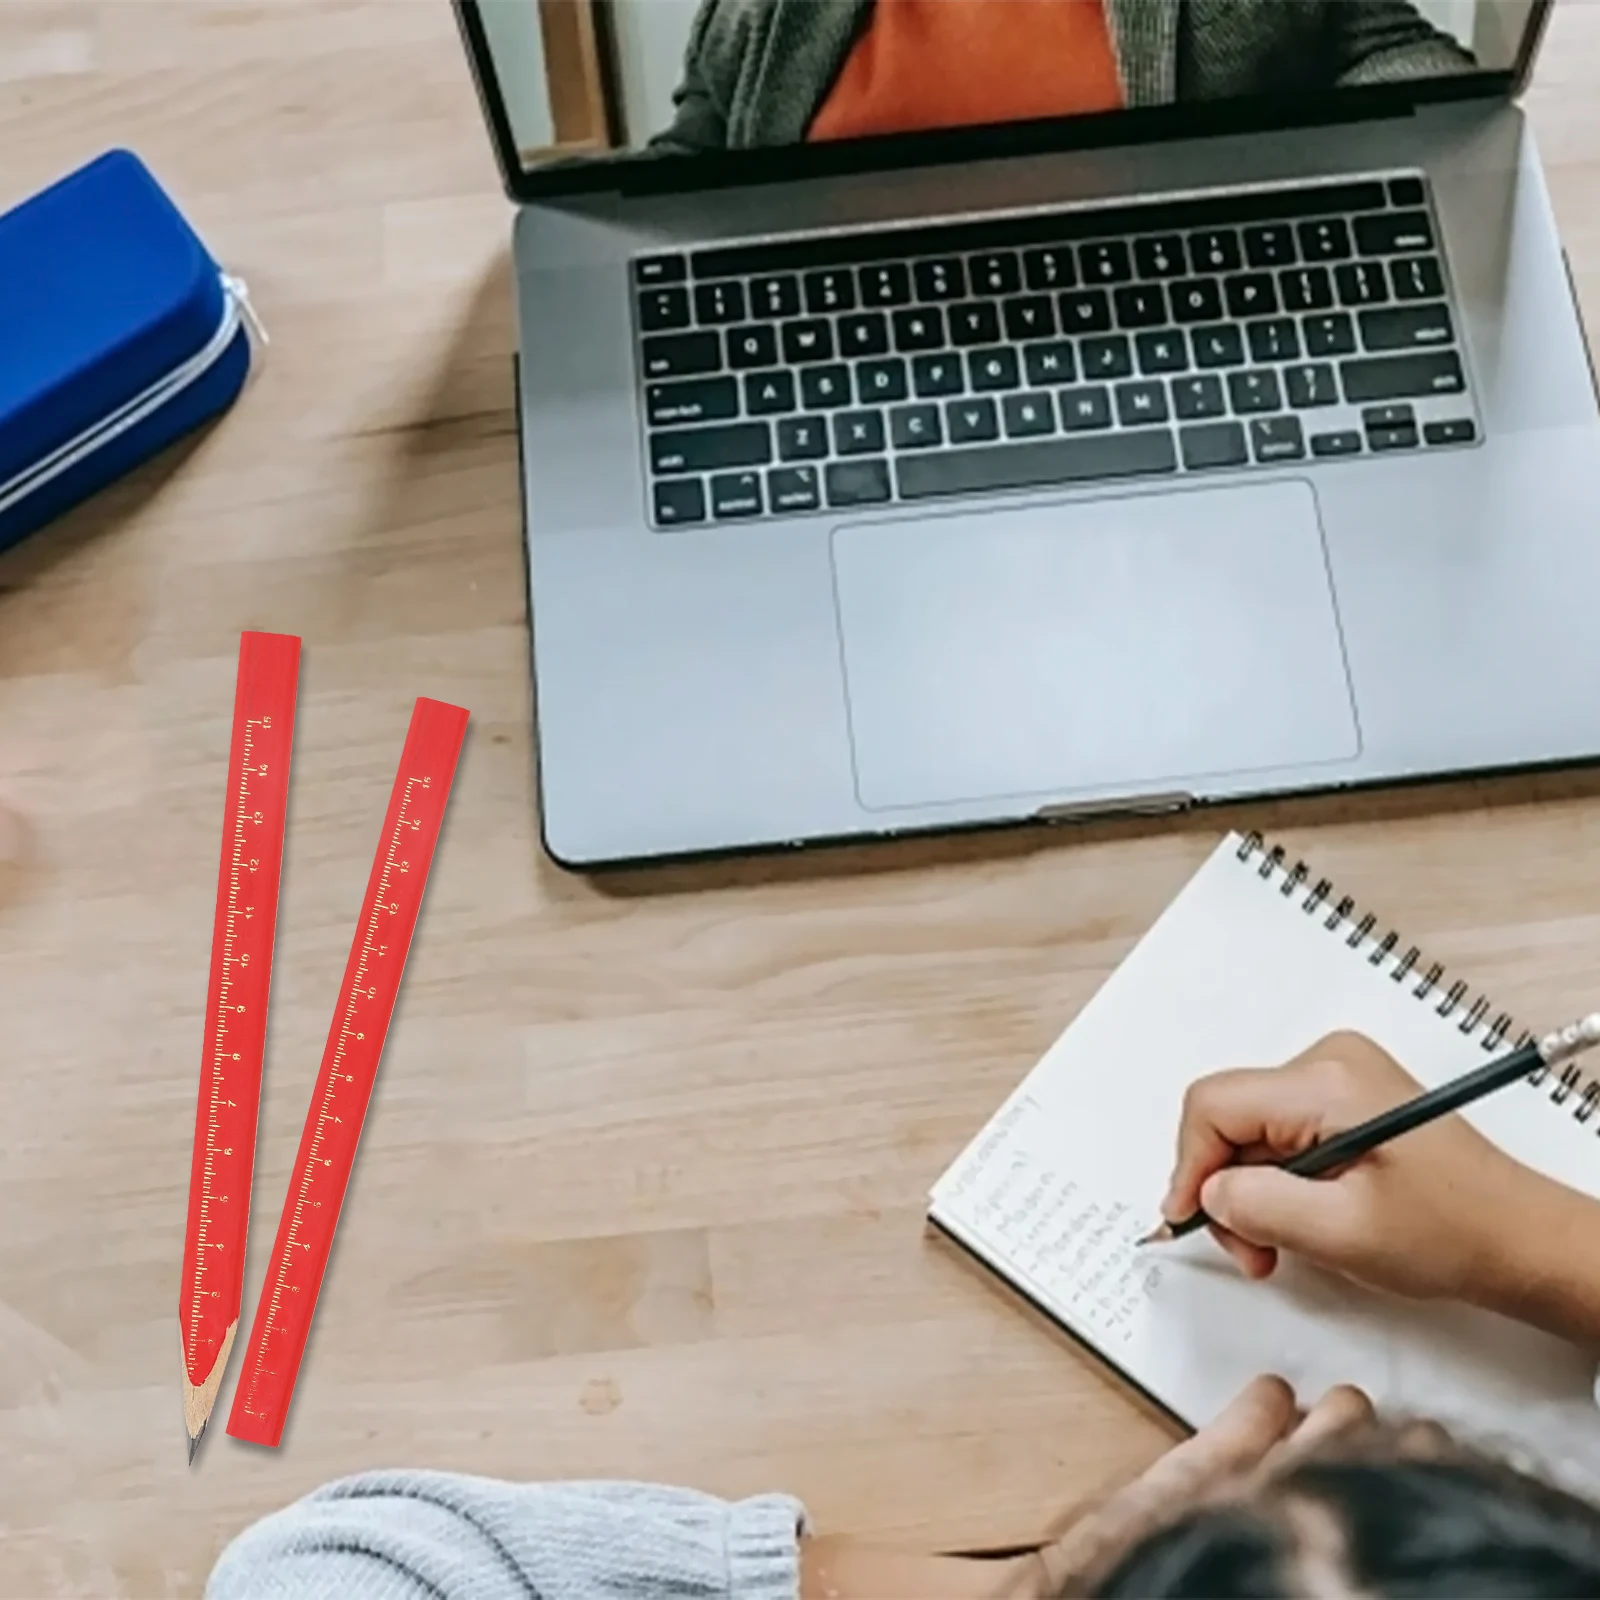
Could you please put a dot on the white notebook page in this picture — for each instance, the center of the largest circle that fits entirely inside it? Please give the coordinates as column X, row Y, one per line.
column 1071, row 1169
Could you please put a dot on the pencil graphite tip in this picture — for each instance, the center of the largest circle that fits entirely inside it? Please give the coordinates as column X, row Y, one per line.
column 194, row 1443
column 1159, row 1235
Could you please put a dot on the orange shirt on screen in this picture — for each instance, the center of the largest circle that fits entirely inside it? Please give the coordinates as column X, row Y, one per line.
column 957, row 63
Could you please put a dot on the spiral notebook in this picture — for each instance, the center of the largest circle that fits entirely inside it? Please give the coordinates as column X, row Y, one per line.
column 1255, row 960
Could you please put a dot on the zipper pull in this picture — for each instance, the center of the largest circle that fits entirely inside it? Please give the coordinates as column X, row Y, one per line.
column 240, row 290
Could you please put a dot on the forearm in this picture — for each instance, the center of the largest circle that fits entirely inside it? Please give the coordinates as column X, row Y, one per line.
column 838, row 1567
column 1545, row 1269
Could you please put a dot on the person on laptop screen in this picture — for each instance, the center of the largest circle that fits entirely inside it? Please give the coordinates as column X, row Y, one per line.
column 776, row 72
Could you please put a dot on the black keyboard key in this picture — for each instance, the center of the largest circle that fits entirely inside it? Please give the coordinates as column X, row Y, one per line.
column 1325, row 239
column 660, row 269
column 943, row 279
column 1215, row 444
column 878, row 382
column 1343, row 442
column 1028, row 415
column 1306, row 289
column 1251, row 294
column 1160, row 256
column 1049, row 363
column 1405, row 191
column 920, row 329
column 1220, row 346
column 1196, row 300
column 886, row 284
column 1140, row 305
column 994, row 272
column 1361, row 283
column 1308, row 386
column 915, row 427
column 1401, row 377
column 793, row 489
column 974, row 322
column 681, row 355
column 1030, row 317
column 823, row 388
column 1270, row 246
column 661, row 309
column 775, row 297
column 1085, row 311
column 858, row 433
column 1253, row 391
column 866, row 333
column 1273, row 340
column 932, row 376
column 754, row 346
column 811, row 340
column 1050, row 268
column 1214, row 250
column 1132, row 453
column 766, row 394
column 1394, row 233
column 1199, row 396
column 736, row 494
column 993, row 369
column 719, row 302
column 802, row 438
column 1389, row 416
column 1417, row 278
column 1106, row 357
column 1406, row 327
column 858, row 483
column 699, row 400
column 679, row 501
column 740, row 444
column 834, row 290
column 1457, row 430
column 1401, row 437
column 969, row 421
column 1085, row 410
column 1331, row 334
column 1105, row 261
column 1277, row 439
column 1162, row 352
column 1141, row 402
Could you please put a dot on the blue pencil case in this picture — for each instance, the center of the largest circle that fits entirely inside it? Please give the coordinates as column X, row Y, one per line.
column 118, row 334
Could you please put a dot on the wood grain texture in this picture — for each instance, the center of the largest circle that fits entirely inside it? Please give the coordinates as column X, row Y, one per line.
column 640, row 1192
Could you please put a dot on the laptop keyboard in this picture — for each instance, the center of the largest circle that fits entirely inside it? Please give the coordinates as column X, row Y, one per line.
column 1181, row 337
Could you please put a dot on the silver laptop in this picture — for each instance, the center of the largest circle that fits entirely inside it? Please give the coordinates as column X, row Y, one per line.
column 1218, row 426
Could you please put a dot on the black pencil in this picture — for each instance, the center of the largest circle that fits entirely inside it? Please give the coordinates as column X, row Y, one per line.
column 1343, row 1148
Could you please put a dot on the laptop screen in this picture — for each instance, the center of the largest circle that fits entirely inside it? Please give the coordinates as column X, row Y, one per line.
column 602, row 80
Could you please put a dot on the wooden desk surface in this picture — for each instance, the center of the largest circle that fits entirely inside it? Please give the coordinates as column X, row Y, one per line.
column 641, row 1187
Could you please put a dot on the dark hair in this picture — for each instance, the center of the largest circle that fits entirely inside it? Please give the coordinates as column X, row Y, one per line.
column 1454, row 1526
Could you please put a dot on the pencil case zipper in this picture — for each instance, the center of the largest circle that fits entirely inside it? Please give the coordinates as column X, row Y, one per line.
column 236, row 309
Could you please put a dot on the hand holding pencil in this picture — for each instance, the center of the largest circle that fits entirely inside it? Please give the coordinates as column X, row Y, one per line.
column 1436, row 1212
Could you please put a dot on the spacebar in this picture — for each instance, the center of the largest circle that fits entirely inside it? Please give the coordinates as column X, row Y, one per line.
column 1040, row 462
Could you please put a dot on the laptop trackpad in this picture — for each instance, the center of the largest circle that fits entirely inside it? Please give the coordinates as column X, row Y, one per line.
column 1138, row 640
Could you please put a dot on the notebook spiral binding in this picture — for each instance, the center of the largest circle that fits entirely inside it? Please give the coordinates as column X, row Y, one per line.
column 1570, row 1088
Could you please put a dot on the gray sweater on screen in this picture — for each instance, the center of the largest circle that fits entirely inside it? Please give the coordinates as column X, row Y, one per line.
column 757, row 71
column 444, row 1536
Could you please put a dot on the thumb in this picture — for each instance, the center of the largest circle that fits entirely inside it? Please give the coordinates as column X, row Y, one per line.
column 1270, row 1207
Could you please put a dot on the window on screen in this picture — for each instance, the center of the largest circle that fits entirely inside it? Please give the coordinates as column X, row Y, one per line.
column 682, row 77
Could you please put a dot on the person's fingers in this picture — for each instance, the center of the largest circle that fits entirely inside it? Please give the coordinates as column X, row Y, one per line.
column 1253, row 1260
column 1267, row 1206
column 1274, row 1109
column 1258, row 1418
column 1422, row 1440
column 1341, row 1411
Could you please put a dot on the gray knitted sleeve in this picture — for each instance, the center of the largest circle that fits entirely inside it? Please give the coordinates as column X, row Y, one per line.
column 442, row 1536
